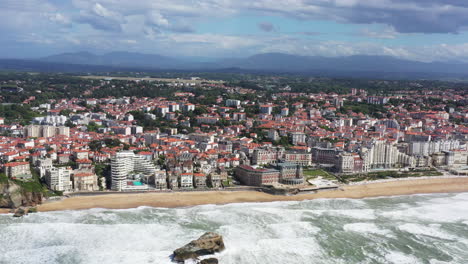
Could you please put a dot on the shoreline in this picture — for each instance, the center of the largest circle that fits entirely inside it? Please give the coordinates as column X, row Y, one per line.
column 189, row 199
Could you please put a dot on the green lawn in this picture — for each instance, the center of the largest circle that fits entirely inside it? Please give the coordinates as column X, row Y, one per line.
column 310, row 174
column 372, row 176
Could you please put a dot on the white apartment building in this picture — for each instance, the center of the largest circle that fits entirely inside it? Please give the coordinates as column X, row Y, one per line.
column 186, row 180
column 427, row 148
column 125, row 162
column 385, row 155
column 45, row 131
column 232, row 102
column 298, row 138
column 58, row 179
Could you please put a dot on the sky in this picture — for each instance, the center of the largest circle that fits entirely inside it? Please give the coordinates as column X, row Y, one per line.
column 422, row 30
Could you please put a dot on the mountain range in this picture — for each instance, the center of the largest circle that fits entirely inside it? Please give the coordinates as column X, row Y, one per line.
column 360, row 65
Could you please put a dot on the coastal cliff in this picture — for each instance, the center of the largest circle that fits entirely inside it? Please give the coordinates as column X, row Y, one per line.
column 13, row 195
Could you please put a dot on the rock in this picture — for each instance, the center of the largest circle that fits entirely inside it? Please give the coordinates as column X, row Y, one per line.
column 13, row 196
column 209, row 243
column 20, row 212
column 209, row 261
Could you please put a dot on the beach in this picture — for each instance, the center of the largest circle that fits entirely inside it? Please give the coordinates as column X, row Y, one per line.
column 187, row 199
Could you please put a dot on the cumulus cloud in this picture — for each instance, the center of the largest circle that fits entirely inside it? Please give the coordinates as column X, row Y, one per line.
column 405, row 16
column 101, row 17
column 170, row 26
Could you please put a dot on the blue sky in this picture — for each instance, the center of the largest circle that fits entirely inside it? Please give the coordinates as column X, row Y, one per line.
column 424, row 30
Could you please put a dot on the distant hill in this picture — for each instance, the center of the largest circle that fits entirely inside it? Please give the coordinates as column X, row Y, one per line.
column 119, row 59
column 353, row 66
column 361, row 63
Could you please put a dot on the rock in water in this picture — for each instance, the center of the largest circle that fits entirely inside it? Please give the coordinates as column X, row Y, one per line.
column 209, row 261
column 209, row 243
column 20, row 212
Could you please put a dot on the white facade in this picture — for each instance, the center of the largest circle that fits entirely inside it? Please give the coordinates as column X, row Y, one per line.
column 58, row 179
column 232, row 102
column 126, row 162
column 427, row 148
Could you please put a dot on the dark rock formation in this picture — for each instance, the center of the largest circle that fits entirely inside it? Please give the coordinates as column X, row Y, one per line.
column 209, row 243
column 20, row 212
column 13, row 196
column 209, row 261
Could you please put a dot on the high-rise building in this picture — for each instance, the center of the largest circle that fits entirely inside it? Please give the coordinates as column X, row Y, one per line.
column 45, row 131
column 125, row 162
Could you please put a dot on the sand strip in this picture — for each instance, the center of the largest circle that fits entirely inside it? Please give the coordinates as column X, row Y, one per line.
column 184, row 199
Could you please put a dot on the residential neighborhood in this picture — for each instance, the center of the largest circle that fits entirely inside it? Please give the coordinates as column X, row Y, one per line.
column 180, row 143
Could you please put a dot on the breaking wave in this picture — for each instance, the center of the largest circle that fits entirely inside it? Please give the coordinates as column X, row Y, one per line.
column 404, row 229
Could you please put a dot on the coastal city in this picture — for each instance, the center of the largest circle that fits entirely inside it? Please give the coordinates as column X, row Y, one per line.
column 234, row 132
column 193, row 134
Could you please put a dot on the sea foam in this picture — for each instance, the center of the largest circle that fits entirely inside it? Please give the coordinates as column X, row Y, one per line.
column 406, row 229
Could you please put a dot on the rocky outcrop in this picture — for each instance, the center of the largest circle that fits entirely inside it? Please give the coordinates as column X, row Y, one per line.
column 13, row 196
column 209, row 243
column 20, row 212
column 209, row 261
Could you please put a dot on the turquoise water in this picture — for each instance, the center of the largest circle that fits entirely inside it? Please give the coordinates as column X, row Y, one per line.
column 429, row 229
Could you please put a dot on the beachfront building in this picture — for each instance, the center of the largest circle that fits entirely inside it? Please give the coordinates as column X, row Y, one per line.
column 256, row 177
column 59, row 179
column 85, row 181
column 345, row 163
column 186, row 181
column 125, row 163
column 290, row 173
column 173, row 182
column 215, row 180
column 385, row 155
column 199, row 180
column 160, row 180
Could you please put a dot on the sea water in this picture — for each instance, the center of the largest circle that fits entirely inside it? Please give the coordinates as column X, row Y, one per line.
column 429, row 229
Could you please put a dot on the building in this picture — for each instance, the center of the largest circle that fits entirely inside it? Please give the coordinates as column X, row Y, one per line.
column 297, row 157
column 59, row 179
column 186, row 180
column 256, row 177
column 160, row 180
column 45, row 131
column 215, row 180
column 233, row 103
column 345, row 163
column 324, row 155
column 199, row 180
column 298, row 138
column 377, row 100
column 188, row 107
column 44, row 165
column 85, row 181
column 261, row 156
column 290, row 173
column 15, row 170
column 427, row 148
column 173, row 182
column 125, row 163
column 385, row 155
column 266, row 109
column 273, row 135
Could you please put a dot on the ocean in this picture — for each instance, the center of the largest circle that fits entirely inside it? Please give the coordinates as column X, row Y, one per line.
column 412, row 229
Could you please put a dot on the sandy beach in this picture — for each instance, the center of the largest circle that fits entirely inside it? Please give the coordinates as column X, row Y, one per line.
column 184, row 199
